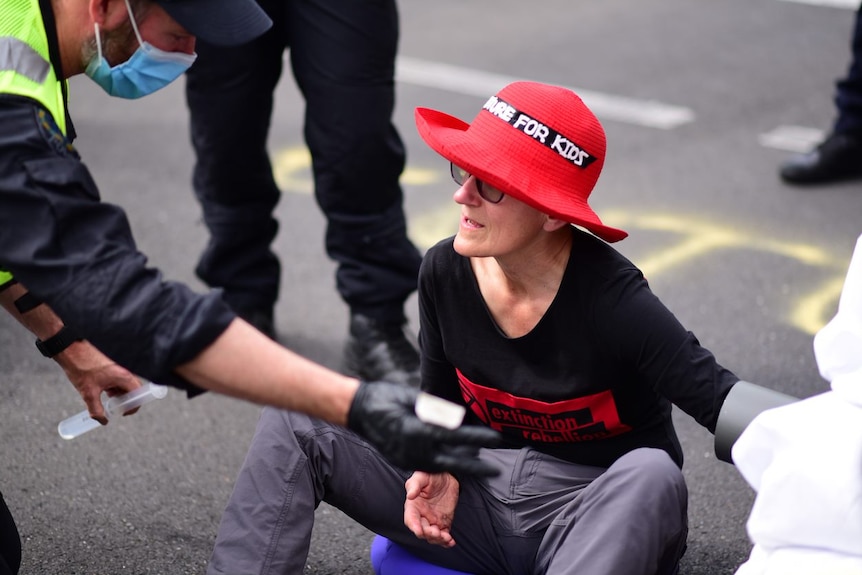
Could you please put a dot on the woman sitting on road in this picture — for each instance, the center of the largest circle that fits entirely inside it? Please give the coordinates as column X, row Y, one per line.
column 546, row 334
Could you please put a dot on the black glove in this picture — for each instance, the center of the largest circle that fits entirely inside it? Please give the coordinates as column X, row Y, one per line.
column 384, row 414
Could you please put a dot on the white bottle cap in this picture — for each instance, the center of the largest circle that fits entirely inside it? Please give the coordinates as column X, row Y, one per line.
column 438, row 411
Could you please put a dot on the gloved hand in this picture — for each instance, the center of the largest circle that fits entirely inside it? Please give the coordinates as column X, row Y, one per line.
column 384, row 414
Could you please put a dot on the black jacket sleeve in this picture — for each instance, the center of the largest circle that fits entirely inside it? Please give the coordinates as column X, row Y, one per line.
column 77, row 254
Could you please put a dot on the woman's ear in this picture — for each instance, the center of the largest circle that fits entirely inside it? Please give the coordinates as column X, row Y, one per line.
column 108, row 14
column 552, row 224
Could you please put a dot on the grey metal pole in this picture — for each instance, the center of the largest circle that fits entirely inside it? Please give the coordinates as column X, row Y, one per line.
column 744, row 402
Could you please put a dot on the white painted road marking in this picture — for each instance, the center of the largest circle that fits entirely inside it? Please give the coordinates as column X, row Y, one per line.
column 848, row 4
column 792, row 138
column 468, row 81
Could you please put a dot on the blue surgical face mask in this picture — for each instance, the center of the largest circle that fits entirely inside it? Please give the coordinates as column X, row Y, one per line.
column 149, row 69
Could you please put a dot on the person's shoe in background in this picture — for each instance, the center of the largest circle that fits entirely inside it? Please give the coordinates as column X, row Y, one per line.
column 377, row 351
column 837, row 158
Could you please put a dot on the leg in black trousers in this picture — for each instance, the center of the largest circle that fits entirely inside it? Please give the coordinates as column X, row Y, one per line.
column 10, row 542
column 839, row 156
column 848, row 90
column 229, row 93
column 343, row 58
column 342, row 55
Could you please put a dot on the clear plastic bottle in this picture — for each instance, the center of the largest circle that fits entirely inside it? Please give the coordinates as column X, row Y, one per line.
column 80, row 423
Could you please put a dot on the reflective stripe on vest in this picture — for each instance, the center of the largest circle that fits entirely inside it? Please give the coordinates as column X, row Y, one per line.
column 25, row 65
column 16, row 56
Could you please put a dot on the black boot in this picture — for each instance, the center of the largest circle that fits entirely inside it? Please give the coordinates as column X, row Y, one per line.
column 380, row 351
column 838, row 158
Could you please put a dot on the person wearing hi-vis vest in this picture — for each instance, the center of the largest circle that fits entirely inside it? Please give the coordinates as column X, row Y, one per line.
column 71, row 269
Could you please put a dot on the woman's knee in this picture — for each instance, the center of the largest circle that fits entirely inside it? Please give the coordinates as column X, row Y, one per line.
column 284, row 424
column 655, row 471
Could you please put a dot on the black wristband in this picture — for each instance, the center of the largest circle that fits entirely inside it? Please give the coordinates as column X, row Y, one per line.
column 58, row 342
column 8, row 284
column 27, row 302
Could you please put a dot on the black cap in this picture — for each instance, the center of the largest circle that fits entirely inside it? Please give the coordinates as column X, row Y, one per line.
column 220, row 22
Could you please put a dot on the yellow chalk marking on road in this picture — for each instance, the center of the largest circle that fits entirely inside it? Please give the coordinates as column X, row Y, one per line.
column 700, row 238
column 804, row 253
column 432, row 226
column 696, row 237
column 292, row 171
column 706, row 236
column 814, row 310
column 419, row 177
column 291, row 168
column 808, row 314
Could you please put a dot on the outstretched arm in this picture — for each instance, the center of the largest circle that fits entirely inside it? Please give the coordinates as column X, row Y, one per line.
column 244, row 363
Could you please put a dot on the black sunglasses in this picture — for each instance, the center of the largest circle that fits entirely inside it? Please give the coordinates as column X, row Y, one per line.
column 488, row 192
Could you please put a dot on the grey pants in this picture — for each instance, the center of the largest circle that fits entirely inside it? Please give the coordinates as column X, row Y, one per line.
column 541, row 516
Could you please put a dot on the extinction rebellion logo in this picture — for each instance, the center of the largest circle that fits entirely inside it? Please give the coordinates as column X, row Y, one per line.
column 573, row 420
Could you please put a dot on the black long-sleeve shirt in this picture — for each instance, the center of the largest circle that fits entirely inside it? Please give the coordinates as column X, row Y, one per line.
column 594, row 379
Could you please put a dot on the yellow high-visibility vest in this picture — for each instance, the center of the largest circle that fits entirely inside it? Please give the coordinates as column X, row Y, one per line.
column 25, row 64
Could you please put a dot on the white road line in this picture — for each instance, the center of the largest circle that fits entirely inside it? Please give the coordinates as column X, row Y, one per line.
column 792, row 138
column 848, row 4
column 472, row 82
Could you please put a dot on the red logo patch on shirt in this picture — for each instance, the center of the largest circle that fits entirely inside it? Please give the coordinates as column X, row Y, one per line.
column 579, row 419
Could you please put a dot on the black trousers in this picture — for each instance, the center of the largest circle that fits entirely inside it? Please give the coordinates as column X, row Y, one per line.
column 10, row 542
column 848, row 93
column 342, row 53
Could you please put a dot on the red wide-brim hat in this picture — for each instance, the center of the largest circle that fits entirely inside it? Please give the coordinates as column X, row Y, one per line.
column 537, row 143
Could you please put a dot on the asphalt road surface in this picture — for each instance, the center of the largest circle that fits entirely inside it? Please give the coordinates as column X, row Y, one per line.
column 701, row 101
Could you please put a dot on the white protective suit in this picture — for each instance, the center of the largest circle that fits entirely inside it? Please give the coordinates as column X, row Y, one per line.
column 804, row 460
